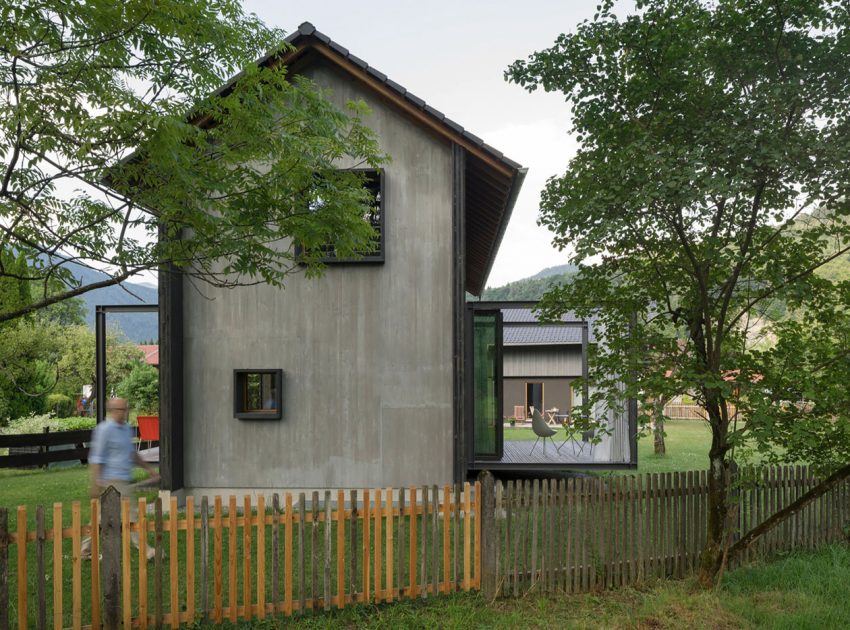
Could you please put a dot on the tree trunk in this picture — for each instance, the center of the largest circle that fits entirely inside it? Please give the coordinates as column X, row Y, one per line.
column 658, row 431
column 711, row 559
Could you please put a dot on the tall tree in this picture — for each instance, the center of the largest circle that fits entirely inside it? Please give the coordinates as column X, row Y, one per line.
column 113, row 130
column 708, row 132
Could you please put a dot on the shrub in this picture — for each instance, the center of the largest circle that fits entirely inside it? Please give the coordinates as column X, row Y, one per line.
column 141, row 388
column 61, row 405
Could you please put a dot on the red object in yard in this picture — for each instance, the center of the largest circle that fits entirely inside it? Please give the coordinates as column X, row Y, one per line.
column 148, row 429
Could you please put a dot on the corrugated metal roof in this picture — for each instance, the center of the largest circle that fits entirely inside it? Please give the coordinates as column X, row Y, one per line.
column 541, row 335
column 515, row 334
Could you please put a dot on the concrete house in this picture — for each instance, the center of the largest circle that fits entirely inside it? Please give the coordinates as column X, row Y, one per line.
column 376, row 374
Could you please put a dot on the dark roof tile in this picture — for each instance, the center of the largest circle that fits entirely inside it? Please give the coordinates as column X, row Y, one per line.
column 436, row 113
column 396, row 86
column 473, row 137
column 342, row 50
column 410, row 96
column 357, row 61
column 306, row 28
column 377, row 74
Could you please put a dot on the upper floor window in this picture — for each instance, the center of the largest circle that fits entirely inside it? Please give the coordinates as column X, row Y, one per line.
column 373, row 181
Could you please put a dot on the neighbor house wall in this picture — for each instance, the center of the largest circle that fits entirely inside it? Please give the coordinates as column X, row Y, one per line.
column 366, row 349
column 557, row 361
column 556, row 393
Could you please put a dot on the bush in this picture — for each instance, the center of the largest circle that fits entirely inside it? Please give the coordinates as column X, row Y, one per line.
column 141, row 388
column 35, row 424
column 61, row 405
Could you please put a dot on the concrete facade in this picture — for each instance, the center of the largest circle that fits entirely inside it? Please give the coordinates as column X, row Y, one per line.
column 366, row 350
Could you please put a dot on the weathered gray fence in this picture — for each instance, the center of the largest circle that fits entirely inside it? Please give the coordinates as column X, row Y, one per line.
column 584, row 534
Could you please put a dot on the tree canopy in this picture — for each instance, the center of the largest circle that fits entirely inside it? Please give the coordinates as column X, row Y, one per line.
column 115, row 129
column 710, row 184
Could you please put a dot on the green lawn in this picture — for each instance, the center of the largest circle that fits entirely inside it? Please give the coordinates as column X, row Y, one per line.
column 799, row 592
column 687, row 446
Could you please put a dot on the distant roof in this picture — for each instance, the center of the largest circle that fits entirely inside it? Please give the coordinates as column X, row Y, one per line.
column 517, row 334
column 151, row 353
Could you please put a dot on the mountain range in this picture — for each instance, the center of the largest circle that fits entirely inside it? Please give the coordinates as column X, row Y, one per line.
column 136, row 327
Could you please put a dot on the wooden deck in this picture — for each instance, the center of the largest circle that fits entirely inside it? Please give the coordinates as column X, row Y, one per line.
column 520, row 452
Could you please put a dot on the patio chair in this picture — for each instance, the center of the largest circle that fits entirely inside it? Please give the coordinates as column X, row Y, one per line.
column 148, row 430
column 541, row 430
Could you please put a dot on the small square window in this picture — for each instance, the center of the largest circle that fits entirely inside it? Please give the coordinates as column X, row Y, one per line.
column 373, row 181
column 258, row 394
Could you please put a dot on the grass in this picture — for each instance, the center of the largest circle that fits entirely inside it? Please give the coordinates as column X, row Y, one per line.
column 687, row 446
column 799, row 591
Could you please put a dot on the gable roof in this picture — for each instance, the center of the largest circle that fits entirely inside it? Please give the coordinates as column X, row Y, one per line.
column 521, row 328
column 491, row 180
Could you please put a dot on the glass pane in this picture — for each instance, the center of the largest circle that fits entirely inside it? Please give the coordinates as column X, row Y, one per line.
column 485, row 400
column 253, row 393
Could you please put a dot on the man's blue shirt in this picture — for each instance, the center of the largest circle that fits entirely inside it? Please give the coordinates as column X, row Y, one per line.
column 112, row 447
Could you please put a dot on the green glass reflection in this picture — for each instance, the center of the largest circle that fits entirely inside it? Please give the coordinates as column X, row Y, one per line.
column 484, row 382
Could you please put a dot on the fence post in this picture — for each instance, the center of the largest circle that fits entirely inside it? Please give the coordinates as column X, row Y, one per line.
column 489, row 539
column 110, row 510
column 4, row 568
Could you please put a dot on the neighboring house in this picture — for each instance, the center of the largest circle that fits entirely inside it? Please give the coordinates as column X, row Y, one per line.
column 364, row 377
column 151, row 353
column 540, row 363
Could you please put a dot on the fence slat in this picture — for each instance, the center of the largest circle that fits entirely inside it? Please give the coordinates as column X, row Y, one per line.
column 447, row 502
column 535, row 499
column 232, row 602
column 456, row 530
column 423, row 576
column 276, row 552
column 190, row 559
column 467, row 535
column 173, row 568
column 287, row 555
column 412, row 544
column 218, row 565
column 57, row 566
column 246, row 556
column 518, row 535
column 315, row 554
column 95, row 566
column 354, row 549
column 126, row 580
column 328, row 540
column 205, row 551
column 340, row 549
column 4, row 568
column 402, row 519
column 497, row 517
column 21, row 533
column 143, row 563
column 569, row 521
column 367, row 549
column 435, row 547
column 302, row 517
column 390, row 569
column 261, row 556
column 157, row 562
column 378, row 544
column 40, row 540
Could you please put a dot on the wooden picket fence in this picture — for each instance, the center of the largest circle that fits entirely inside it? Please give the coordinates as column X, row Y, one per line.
column 585, row 534
column 692, row 412
column 217, row 564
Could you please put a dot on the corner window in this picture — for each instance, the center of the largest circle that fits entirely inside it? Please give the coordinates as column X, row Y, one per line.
column 258, row 394
column 373, row 182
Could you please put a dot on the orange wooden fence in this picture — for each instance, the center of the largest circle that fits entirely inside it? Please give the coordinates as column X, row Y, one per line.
column 233, row 559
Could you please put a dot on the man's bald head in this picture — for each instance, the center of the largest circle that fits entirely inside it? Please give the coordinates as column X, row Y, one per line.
column 117, row 409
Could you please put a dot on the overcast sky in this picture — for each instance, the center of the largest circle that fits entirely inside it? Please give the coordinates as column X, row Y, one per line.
column 453, row 55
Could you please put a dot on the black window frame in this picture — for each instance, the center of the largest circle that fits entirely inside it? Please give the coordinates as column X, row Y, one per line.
column 239, row 376
column 366, row 259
